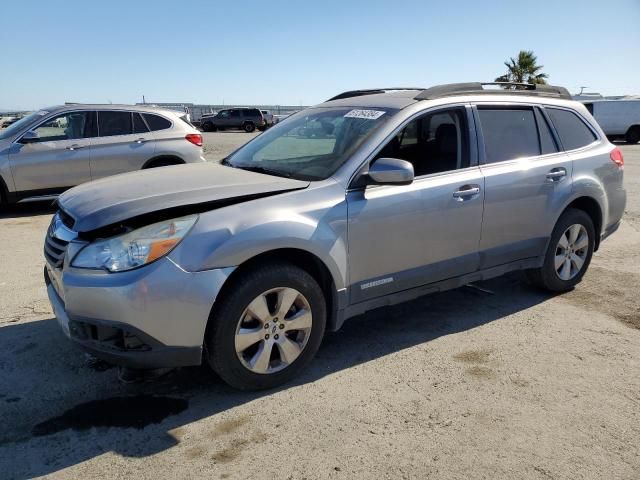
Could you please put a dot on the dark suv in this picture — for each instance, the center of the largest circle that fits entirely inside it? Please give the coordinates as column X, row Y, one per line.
column 248, row 119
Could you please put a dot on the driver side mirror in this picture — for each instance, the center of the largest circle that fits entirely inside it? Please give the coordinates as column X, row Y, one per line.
column 30, row 137
column 390, row 171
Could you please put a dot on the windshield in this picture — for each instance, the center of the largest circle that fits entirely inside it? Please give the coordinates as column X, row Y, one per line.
column 20, row 124
column 312, row 144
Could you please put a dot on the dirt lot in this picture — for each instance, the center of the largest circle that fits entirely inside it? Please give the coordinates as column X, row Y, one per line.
column 504, row 383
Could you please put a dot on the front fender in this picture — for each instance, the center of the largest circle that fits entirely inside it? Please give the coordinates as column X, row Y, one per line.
column 264, row 225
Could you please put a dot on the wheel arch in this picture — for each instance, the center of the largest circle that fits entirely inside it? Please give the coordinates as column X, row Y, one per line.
column 303, row 259
column 163, row 158
column 591, row 207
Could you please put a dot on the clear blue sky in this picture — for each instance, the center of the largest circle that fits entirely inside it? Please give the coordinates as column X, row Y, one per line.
column 300, row 52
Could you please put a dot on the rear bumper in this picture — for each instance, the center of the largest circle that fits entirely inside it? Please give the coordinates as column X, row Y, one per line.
column 151, row 317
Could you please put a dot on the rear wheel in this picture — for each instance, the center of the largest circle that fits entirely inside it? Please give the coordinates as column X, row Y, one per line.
column 633, row 135
column 569, row 253
column 267, row 328
column 249, row 127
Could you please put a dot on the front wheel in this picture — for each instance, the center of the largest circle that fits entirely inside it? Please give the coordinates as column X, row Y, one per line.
column 568, row 254
column 267, row 328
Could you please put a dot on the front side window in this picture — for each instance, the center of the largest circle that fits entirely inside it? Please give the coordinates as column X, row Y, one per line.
column 571, row 129
column 434, row 143
column 312, row 144
column 111, row 123
column 509, row 133
column 67, row 126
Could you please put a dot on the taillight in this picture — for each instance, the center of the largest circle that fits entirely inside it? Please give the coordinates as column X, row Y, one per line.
column 616, row 157
column 195, row 138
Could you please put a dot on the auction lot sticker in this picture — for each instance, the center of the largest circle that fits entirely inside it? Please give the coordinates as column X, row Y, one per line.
column 366, row 114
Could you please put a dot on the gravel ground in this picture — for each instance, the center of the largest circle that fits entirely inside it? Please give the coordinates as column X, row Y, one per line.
column 503, row 383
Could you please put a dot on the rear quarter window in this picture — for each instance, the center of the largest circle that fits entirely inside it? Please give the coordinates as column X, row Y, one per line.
column 572, row 130
column 156, row 122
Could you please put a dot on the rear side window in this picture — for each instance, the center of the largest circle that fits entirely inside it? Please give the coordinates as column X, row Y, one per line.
column 508, row 133
column 572, row 130
column 111, row 123
column 156, row 122
column 547, row 143
column 138, row 124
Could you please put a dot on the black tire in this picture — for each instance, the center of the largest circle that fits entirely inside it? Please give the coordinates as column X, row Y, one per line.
column 220, row 349
column 207, row 127
column 633, row 135
column 547, row 277
column 249, row 127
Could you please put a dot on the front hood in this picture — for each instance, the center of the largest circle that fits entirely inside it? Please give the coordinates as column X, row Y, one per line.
column 202, row 186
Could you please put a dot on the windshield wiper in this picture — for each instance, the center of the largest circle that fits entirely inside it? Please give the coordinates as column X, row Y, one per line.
column 267, row 171
column 226, row 162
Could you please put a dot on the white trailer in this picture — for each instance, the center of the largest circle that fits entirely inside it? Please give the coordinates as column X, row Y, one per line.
column 620, row 119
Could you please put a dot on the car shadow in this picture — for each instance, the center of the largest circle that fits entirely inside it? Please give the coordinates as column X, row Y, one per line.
column 58, row 411
column 30, row 209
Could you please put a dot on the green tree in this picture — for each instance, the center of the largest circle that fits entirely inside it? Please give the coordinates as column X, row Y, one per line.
column 523, row 69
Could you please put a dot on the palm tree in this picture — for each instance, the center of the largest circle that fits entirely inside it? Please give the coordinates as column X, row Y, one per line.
column 524, row 69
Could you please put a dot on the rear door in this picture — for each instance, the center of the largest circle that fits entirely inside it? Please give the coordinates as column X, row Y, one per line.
column 124, row 143
column 527, row 181
column 60, row 156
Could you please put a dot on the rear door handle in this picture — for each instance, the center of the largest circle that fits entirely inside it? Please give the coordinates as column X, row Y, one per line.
column 466, row 191
column 75, row 146
column 141, row 140
column 556, row 174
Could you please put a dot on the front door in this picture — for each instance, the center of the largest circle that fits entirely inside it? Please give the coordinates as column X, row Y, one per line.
column 57, row 157
column 527, row 182
column 124, row 144
column 402, row 237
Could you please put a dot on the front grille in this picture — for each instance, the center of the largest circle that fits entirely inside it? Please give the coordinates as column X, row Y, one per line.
column 58, row 237
column 54, row 250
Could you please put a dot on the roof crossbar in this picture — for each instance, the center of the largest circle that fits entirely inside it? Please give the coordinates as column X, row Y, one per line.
column 508, row 88
column 371, row 91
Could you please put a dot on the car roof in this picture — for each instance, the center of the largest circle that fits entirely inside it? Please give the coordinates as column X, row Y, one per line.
column 111, row 106
column 388, row 99
column 454, row 92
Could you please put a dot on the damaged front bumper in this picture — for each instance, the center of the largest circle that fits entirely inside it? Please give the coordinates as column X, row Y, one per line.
column 151, row 317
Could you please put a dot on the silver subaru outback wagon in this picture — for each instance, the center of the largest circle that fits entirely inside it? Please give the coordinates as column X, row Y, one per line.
column 56, row 148
column 369, row 199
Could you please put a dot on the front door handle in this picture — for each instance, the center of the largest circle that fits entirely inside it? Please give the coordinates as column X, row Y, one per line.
column 75, row 146
column 140, row 140
column 465, row 192
column 556, row 174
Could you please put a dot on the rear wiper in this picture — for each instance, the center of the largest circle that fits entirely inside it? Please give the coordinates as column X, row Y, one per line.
column 264, row 170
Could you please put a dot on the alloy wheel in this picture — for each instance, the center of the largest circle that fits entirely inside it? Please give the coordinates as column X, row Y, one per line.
column 273, row 330
column 571, row 252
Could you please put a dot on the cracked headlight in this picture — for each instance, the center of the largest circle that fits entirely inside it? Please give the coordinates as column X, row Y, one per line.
column 135, row 248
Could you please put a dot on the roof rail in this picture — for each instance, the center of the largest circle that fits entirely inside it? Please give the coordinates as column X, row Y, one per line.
column 372, row 91
column 509, row 88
